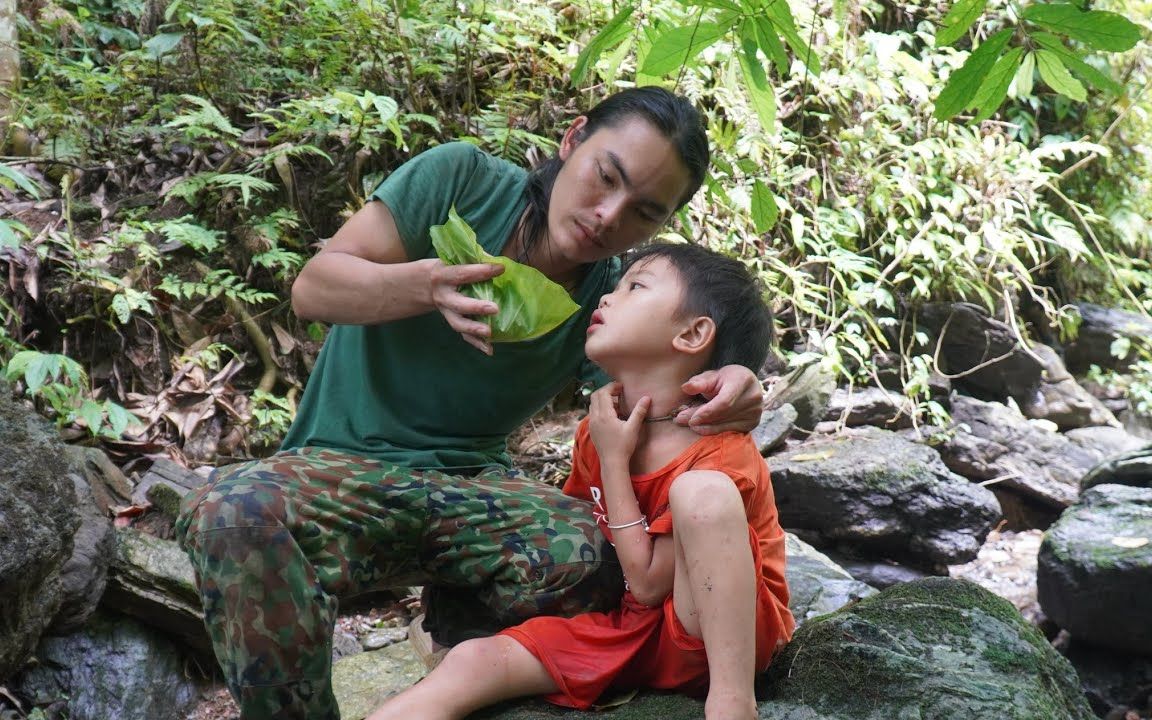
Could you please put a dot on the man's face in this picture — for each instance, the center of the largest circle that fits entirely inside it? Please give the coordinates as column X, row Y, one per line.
column 617, row 187
column 640, row 318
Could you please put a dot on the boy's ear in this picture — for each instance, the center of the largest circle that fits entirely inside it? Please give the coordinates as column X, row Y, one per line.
column 696, row 336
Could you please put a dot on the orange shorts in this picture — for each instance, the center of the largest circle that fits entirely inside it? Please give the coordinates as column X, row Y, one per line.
column 636, row 646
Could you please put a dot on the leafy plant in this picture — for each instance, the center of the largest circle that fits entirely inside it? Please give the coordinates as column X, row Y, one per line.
column 62, row 384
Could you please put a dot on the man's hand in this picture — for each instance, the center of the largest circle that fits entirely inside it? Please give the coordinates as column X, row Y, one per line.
column 615, row 439
column 735, row 401
column 459, row 309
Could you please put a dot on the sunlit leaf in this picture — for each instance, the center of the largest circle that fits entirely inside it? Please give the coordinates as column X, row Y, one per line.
column 1025, row 75
column 770, row 43
column 995, row 88
column 1099, row 29
column 1076, row 64
column 764, row 209
column 530, row 304
column 20, row 180
column 611, row 35
column 679, row 46
column 760, row 92
column 781, row 16
column 1053, row 72
column 160, row 45
column 958, row 20
column 966, row 81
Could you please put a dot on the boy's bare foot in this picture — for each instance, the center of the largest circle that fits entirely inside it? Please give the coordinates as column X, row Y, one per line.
column 730, row 706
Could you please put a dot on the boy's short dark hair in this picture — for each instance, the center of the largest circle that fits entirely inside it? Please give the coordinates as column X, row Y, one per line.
column 721, row 288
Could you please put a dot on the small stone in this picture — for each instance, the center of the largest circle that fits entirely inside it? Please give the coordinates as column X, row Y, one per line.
column 383, row 638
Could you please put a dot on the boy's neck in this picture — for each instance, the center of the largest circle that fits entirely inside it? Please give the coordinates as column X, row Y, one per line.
column 661, row 441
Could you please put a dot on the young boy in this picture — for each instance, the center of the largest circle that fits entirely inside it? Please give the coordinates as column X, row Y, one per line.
column 692, row 518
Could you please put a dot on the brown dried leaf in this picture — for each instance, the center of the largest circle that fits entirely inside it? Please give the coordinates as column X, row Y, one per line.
column 284, row 339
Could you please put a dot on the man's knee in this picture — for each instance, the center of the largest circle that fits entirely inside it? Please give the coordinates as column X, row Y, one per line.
column 232, row 499
column 705, row 499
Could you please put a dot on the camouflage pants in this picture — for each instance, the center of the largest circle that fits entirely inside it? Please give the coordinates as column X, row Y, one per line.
column 275, row 542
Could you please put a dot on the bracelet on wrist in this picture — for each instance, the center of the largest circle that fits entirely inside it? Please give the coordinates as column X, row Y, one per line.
column 642, row 521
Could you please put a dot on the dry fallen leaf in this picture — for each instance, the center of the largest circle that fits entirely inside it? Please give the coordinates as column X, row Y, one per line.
column 1130, row 542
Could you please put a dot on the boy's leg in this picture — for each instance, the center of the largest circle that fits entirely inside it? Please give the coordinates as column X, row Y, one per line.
column 273, row 543
column 714, row 591
column 475, row 674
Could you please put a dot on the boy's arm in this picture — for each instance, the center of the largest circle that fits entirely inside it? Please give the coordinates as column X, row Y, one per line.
column 649, row 563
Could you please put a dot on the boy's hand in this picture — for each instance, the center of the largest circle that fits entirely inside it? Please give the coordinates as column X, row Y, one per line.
column 615, row 439
column 735, row 401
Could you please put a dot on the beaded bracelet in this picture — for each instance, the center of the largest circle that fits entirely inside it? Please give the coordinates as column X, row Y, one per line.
column 642, row 521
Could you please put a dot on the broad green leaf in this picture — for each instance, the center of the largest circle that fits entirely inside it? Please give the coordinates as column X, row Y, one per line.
column 770, row 43
column 1054, row 73
column 679, row 46
column 160, row 45
column 92, row 413
column 119, row 418
column 1076, row 64
column 765, row 212
column 780, row 14
column 8, row 236
column 1025, row 75
column 20, row 180
column 995, row 88
column 1099, row 29
column 611, row 35
column 963, row 85
column 958, row 20
column 530, row 304
column 759, row 90
column 37, row 371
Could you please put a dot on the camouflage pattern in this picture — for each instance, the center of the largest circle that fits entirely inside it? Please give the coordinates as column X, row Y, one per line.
column 275, row 543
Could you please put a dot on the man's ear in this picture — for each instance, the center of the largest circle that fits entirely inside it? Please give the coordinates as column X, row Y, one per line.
column 696, row 336
column 572, row 137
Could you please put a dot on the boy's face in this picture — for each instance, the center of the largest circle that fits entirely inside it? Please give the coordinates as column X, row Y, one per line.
column 639, row 319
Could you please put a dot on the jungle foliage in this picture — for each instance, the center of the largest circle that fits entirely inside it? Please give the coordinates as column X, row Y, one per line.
column 172, row 163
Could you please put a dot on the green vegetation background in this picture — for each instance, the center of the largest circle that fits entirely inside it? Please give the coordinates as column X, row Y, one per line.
column 171, row 165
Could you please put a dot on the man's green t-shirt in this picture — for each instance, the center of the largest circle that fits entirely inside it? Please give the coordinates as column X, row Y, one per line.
column 411, row 391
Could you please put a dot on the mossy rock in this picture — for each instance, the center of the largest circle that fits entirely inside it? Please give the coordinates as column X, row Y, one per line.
column 934, row 648
column 644, row 706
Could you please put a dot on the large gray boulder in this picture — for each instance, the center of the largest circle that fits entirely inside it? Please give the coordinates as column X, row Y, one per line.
column 934, row 648
column 114, row 667
column 37, row 522
column 883, row 496
column 1099, row 327
column 984, row 352
column 817, row 585
column 870, row 406
column 995, row 442
column 1094, row 572
column 1130, row 468
column 1060, row 399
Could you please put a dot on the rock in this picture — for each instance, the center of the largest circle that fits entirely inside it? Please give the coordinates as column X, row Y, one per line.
column 107, row 483
column 994, row 442
column 816, row 585
column 1094, row 574
column 883, row 496
column 934, row 648
column 84, row 576
column 1099, row 327
column 114, row 667
column 643, row 706
column 986, row 353
column 344, row 644
column 363, row 681
column 807, row 389
column 1061, row 400
column 1131, row 468
column 1006, row 566
column 1108, row 442
column 1110, row 679
column 37, row 521
column 774, row 428
column 878, row 574
column 384, row 637
column 151, row 579
column 870, row 406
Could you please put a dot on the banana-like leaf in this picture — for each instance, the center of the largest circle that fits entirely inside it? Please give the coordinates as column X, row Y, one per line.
column 530, row 304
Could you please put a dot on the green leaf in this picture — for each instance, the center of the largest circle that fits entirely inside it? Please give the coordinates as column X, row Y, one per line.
column 958, row 20
column 995, row 87
column 119, row 418
column 1025, row 75
column 8, row 230
column 770, row 43
column 963, row 85
column 1076, row 64
column 679, row 46
column 765, row 212
column 780, row 14
column 760, row 92
column 1099, row 29
column 609, row 37
column 530, row 304
column 160, row 45
column 20, row 180
column 1054, row 73
column 92, row 413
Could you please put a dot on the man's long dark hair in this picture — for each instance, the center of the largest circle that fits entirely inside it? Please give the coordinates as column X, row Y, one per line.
column 675, row 118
